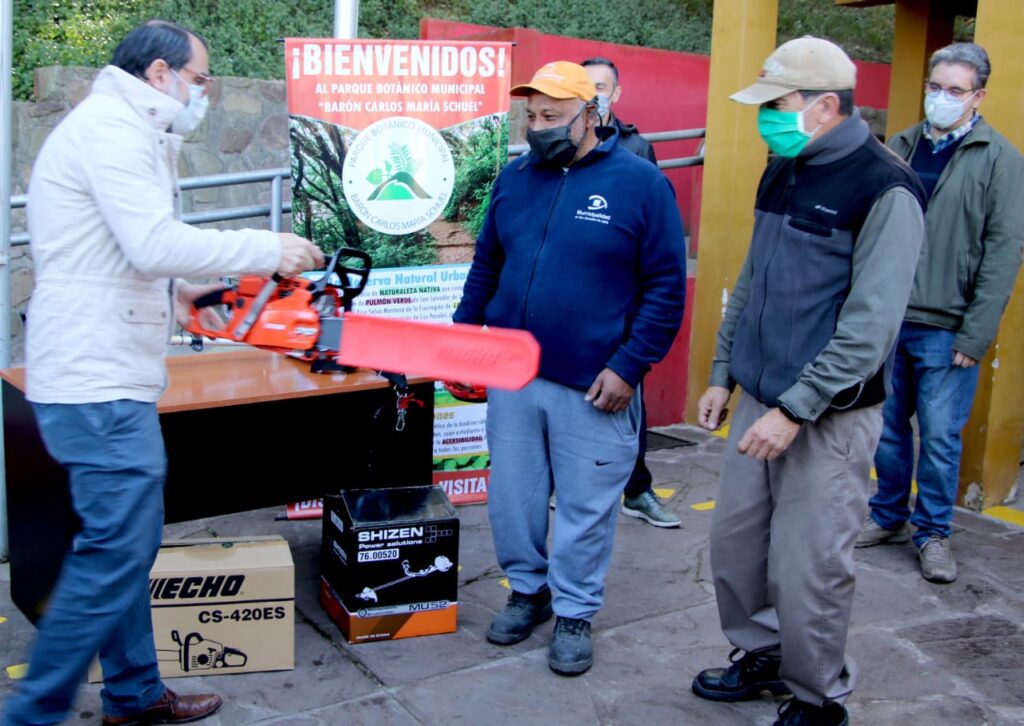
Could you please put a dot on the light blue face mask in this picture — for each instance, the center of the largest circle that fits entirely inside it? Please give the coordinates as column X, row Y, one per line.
column 195, row 108
column 784, row 131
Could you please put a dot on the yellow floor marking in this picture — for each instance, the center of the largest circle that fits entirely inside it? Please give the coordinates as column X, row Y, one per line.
column 1006, row 514
column 459, row 568
column 722, row 433
column 665, row 492
column 504, row 583
column 16, row 672
column 2, row 619
column 703, row 506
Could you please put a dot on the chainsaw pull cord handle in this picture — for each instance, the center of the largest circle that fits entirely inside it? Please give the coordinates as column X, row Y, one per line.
column 258, row 303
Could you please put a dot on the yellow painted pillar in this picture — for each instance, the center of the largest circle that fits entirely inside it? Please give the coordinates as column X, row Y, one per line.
column 992, row 438
column 921, row 28
column 742, row 36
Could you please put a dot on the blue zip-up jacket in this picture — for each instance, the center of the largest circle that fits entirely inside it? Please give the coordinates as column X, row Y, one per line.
column 590, row 259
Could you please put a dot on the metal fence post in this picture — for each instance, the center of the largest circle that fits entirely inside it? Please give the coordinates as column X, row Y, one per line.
column 275, row 204
column 6, row 105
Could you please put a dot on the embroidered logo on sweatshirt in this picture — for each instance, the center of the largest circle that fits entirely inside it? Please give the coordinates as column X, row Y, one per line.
column 593, row 211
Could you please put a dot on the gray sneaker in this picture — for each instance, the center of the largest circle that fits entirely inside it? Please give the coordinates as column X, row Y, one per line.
column 649, row 508
column 937, row 563
column 872, row 533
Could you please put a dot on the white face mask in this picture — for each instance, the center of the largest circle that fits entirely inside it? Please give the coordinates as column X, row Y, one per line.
column 195, row 109
column 942, row 110
column 604, row 105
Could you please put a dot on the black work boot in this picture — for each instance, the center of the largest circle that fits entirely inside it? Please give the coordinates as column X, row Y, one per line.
column 571, row 652
column 743, row 680
column 521, row 614
column 801, row 713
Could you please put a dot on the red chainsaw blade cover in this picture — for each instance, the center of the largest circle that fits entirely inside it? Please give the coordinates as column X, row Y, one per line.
column 496, row 357
column 289, row 323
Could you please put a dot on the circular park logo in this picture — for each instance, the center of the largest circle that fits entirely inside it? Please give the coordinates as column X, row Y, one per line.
column 398, row 175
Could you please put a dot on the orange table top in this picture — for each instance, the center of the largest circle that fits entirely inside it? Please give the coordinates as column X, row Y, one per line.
column 249, row 375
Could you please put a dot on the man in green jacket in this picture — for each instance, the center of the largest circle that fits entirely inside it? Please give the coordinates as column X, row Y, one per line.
column 975, row 223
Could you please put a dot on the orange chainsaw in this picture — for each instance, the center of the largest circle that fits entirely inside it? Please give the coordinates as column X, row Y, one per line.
column 312, row 320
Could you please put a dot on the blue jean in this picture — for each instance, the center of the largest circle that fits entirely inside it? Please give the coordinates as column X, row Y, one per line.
column 924, row 382
column 114, row 455
column 546, row 438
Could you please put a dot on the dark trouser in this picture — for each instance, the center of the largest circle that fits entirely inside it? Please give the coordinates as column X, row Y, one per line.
column 114, row 454
column 782, row 546
column 640, row 479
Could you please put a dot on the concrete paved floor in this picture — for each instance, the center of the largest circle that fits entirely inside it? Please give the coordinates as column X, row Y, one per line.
column 928, row 654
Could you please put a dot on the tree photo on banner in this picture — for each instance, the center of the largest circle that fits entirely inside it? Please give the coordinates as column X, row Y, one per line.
column 394, row 148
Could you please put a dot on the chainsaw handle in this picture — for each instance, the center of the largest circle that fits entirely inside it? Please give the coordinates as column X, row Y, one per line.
column 216, row 297
column 223, row 296
column 335, row 266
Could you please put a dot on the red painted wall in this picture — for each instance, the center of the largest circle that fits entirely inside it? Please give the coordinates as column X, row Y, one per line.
column 662, row 90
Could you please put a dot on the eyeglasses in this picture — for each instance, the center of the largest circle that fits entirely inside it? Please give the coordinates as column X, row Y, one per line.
column 954, row 92
column 202, row 80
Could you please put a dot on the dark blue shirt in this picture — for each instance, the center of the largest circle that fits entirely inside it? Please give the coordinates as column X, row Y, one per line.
column 590, row 259
column 928, row 165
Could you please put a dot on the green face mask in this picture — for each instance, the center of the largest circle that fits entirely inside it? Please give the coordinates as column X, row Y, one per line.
column 783, row 131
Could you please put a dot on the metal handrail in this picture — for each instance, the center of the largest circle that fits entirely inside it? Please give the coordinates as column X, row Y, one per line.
column 653, row 137
column 278, row 208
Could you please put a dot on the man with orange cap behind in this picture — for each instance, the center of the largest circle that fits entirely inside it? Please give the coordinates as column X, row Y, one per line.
column 582, row 246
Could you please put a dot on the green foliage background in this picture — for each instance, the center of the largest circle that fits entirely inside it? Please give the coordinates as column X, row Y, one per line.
column 243, row 33
column 478, row 159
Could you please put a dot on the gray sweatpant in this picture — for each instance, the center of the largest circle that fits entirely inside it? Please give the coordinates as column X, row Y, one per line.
column 782, row 546
column 546, row 438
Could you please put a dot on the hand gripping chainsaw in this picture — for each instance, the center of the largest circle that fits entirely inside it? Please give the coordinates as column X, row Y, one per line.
column 312, row 320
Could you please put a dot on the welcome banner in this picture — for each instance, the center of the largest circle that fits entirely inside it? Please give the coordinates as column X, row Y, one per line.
column 395, row 146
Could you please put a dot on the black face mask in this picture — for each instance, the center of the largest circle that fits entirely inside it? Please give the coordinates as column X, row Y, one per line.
column 554, row 147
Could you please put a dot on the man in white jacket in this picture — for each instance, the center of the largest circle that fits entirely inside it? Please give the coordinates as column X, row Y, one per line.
column 107, row 245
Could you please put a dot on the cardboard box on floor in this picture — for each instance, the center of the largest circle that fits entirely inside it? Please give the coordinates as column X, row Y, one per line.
column 389, row 562
column 222, row 606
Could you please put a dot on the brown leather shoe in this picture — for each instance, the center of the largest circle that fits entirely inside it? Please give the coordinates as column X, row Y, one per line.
column 171, row 708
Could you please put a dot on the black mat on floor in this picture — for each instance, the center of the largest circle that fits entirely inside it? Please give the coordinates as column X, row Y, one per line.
column 661, row 441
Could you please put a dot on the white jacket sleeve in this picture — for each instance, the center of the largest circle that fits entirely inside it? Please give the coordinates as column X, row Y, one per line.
column 120, row 163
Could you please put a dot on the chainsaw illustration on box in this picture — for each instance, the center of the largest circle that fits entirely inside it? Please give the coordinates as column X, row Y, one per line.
column 312, row 320
column 196, row 653
column 441, row 564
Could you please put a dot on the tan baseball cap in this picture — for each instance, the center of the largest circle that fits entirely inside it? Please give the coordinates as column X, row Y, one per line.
column 802, row 64
column 560, row 80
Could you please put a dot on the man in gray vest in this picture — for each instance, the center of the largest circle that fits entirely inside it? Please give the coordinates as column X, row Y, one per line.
column 975, row 223
column 838, row 226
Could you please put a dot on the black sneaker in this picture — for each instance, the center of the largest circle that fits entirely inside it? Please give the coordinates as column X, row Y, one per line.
column 571, row 652
column 743, row 680
column 521, row 614
column 800, row 713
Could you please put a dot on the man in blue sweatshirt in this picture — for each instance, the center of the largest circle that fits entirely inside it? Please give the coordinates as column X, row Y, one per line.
column 582, row 246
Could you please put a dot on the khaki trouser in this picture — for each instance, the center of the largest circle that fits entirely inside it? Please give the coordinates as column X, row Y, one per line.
column 782, row 546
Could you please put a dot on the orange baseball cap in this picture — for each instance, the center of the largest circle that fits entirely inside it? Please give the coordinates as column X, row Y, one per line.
column 560, row 80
